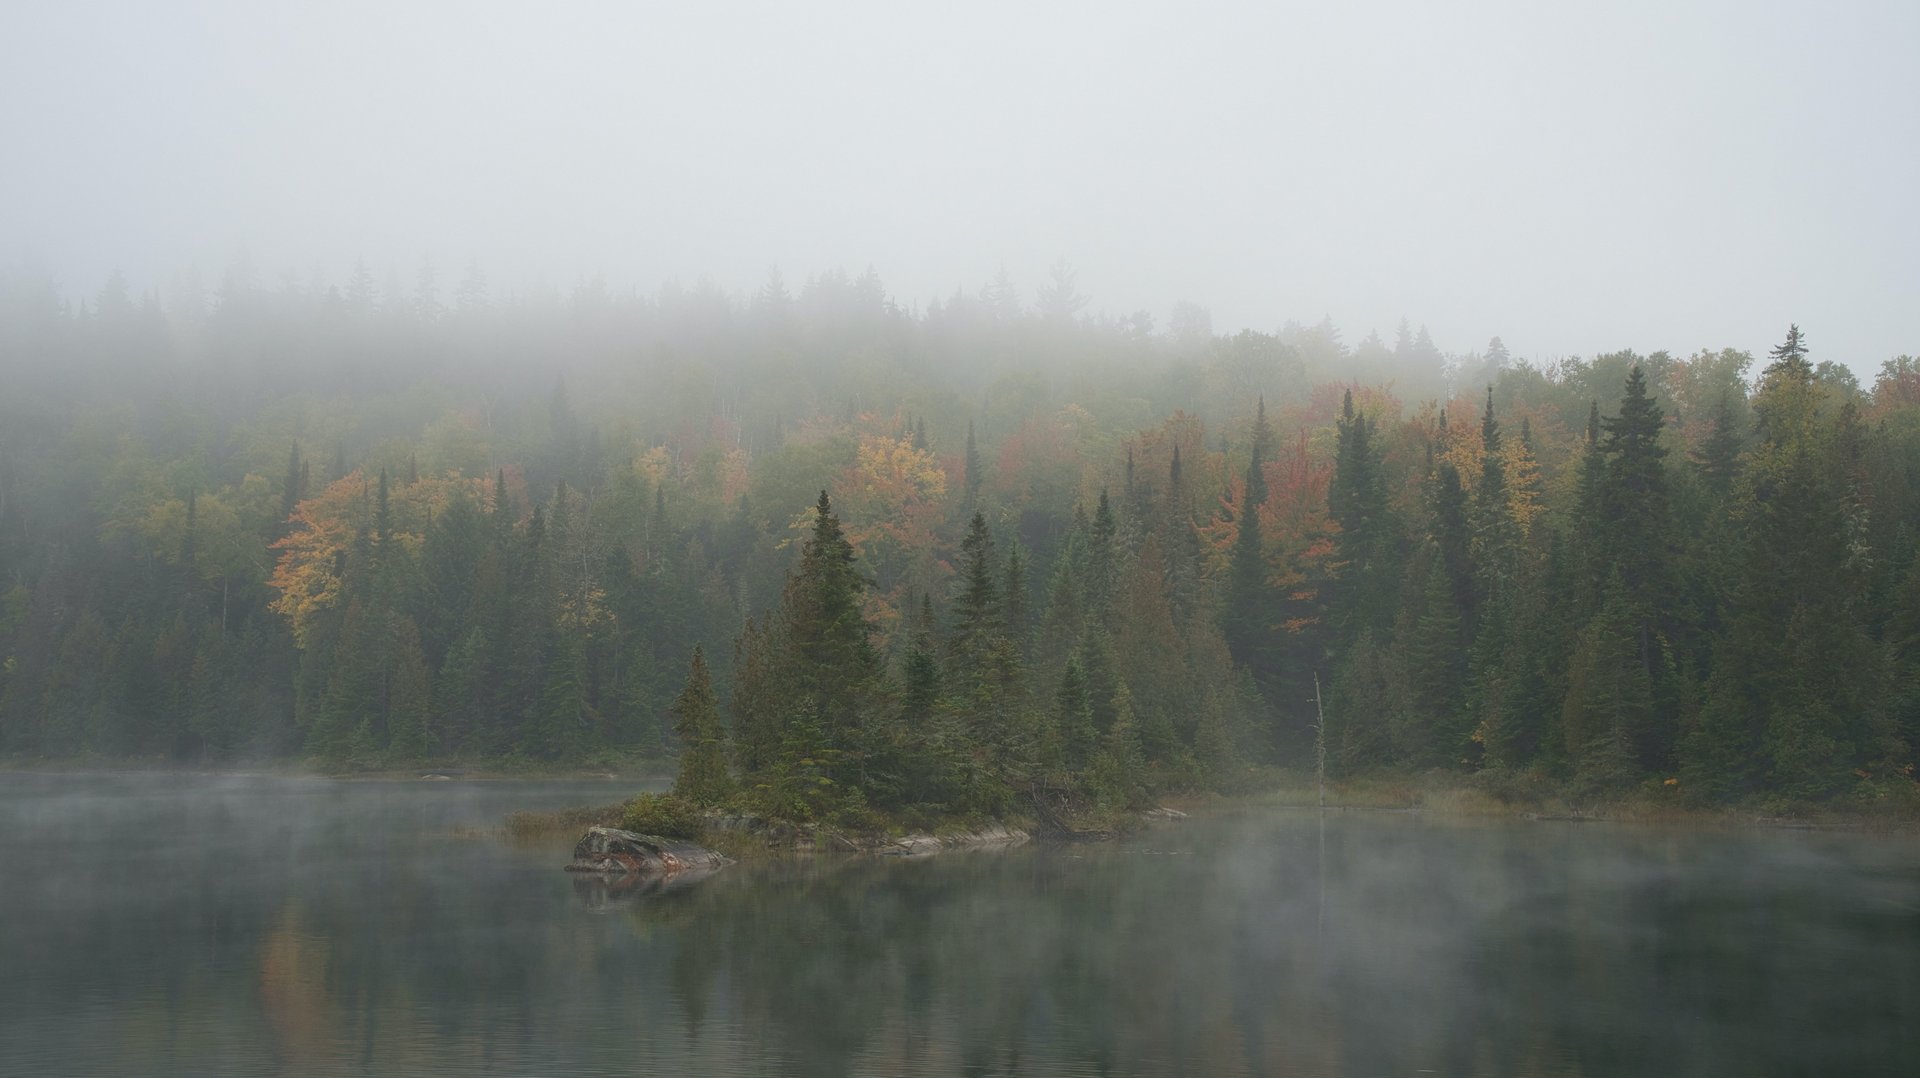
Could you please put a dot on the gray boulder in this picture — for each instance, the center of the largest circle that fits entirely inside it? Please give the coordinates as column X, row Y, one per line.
column 613, row 852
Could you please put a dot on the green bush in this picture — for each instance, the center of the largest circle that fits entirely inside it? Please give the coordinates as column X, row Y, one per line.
column 663, row 814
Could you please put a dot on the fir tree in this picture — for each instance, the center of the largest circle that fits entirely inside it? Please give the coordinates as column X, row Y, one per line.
column 1357, row 500
column 409, row 697
column 1495, row 544
column 1245, row 618
column 290, row 488
column 1119, row 773
column 703, row 778
column 974, row 473
column 1014, row 590
column 1609, row 704
column 1073, row 719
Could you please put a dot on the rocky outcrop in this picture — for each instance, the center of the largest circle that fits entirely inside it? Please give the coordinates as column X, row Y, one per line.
column 612, row 852
column 799, row 838
column 917, row 845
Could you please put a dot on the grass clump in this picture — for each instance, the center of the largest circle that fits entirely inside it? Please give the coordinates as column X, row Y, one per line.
column 535, row 826
column 667, row 815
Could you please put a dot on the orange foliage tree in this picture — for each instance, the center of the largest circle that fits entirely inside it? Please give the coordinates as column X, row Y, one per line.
column 324, row 528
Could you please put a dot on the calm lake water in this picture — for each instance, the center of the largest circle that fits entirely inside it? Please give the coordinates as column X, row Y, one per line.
column 205, row 926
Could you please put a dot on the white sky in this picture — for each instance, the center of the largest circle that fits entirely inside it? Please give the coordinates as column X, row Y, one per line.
column 1575, row 178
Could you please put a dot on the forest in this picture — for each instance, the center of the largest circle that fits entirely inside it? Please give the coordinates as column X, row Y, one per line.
column 839, row 556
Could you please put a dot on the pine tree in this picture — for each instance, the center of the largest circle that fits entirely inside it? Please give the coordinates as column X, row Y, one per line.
column 290, row 489
column 1609, row 704
column 808, row 694
column 1452, row 535
column 1633, row 497
column 755, row 703
column 1436, row 671
column 1064, row 615
column 983, row 667
column 1367, row 574
column 974, row 473
column 703, row 778
column 920, row 674
column 1073, row 719
column 1719, row 457
column 1102, row 555
column 1181, row 546
column 565, row 723
column 1119, row 773
column 1796, row 697
column 1245, row 618
column 1495, row 544
column 409, row 696
column 1014, row 590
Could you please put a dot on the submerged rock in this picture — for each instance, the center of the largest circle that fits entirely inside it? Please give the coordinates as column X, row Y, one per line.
column 613, row 852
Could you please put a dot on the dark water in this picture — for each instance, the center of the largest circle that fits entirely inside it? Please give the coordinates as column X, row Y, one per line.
column 181, row 925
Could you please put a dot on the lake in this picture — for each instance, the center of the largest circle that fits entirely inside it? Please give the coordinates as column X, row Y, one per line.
column 208, row 925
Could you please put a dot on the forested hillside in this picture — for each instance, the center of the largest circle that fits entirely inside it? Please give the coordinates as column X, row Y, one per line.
column 941, row 556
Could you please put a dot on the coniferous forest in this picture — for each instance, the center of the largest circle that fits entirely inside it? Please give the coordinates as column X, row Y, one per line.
column 840, row 556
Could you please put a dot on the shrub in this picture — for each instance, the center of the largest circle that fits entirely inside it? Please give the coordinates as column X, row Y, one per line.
column 663, row 814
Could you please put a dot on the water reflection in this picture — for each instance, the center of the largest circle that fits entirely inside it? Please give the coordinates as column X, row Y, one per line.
column 154, row 925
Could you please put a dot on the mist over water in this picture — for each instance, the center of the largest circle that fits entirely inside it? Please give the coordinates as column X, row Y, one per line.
column 180, row 925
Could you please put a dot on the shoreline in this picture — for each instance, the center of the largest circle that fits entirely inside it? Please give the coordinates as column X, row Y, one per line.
column 485, row 771
column 1436, row 794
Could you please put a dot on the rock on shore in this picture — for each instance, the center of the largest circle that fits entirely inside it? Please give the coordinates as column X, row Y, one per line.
column 613, row 852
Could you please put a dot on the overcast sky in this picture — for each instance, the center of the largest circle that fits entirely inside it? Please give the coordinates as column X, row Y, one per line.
column 1574, row 178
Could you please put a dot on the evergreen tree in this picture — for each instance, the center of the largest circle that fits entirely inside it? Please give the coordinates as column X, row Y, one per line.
column 1495, row 543
column 1357, row 500
column 290, row 489
column 1436, row 670
column 1018, row 620
column 1245, row 618
column 409, row 696
column 1796, row 698
column 983, row 667
column 974, row 472
column 1119, row 774
column 1073, row 719
column 1609, row 705
column 1101, row 557
column 1719, row 457
column 703, row 777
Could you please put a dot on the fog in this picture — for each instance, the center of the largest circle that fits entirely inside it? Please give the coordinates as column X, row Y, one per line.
column 313, row 927
column 1635, row 177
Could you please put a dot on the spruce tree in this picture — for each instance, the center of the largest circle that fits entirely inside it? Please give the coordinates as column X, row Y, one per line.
column 1796, row 698
column 983, row 667
column 290, row 489
column 703, row 777
column 1367, row 574
column 1102, row 554
column 1609, row 705
column 1245, row 617
column 1019, row 621
column 1719, row 457
column 1495, row 543
column 1119, row 774
column 409, row 697
column 1073, row 719
column 974, row 472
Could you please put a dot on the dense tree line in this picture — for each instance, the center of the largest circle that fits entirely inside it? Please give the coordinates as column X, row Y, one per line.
column 841, row 555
